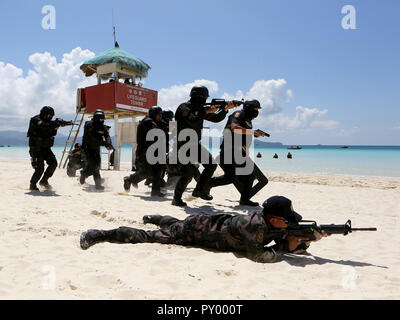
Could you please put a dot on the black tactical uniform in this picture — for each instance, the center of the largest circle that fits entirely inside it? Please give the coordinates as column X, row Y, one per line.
column 248, row 234
column 75, row 161
column 228, row 162
column 163, row 124
column 191, row 115
column 41, row 134
column 95, row 135
column 144, row 168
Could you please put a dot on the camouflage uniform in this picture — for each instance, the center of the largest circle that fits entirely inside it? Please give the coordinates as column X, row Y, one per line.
column 247, row 234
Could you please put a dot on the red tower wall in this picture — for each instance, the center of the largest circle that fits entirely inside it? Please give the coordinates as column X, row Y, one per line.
column 118, row 96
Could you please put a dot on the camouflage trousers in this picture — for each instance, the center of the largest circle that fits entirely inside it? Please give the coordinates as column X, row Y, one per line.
column 190, row 231
column 171, row 232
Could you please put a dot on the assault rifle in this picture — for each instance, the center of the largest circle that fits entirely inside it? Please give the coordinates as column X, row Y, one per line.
column 58, row 122
column 222, row 103
column 306, row 228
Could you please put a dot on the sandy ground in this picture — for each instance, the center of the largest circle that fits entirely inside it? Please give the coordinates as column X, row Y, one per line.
column 40, row 257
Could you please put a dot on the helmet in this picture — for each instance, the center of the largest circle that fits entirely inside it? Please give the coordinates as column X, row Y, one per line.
column 199, row 91
column 167, row 115
column 250, row 108
column 46, row 111
column 98, row 114
column 251, row 104
column 153, row 111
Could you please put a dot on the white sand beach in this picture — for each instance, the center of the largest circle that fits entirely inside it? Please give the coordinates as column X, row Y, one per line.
column 40, row 257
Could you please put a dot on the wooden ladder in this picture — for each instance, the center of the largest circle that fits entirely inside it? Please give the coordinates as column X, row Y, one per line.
column 71, row 142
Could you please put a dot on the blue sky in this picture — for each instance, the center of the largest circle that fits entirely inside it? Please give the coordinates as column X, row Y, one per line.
column 354, row 74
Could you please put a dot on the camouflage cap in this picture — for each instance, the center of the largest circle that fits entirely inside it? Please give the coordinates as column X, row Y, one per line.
column 282, row 207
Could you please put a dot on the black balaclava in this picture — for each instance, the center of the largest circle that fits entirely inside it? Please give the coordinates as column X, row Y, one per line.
column 97, row 116
column 250, row 107
column 46, row 113
column 199, row 95
column 153, row 111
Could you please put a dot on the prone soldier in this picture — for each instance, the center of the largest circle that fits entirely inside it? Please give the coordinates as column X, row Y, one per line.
column 248, row 234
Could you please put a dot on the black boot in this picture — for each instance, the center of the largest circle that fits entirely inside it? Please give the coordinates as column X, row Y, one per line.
column 98, row 182
column 99, row 187
column 157, row 193
column 127, row 184
column 44, row 183
column 178, row 202
column 91, row 237
column 153, row 219
column 33, row 187
column 202, row 194
column 82, row 178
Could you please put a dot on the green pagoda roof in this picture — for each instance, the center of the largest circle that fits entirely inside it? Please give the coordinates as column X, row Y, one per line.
column 118, row 55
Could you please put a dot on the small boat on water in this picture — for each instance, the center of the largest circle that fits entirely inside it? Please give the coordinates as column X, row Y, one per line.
column 344, row 147
column 294, row 148
column 259, row 155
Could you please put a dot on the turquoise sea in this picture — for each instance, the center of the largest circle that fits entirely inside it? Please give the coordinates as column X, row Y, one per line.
column 356, row 160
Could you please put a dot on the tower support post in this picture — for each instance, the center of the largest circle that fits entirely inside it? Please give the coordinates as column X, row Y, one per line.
column 117, row 154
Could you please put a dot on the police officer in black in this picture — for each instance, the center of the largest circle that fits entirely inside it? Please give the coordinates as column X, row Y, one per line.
column 163, row 124
column 75, row 160
column 95, row 135
column 41, row 135
column 191, row 115
column 239, row 124
column 144, row 168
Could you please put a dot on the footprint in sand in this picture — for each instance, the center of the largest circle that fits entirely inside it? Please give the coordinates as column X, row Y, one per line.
column 227, row 273
column 71, row 286
column 99, row 214
column 106, row 281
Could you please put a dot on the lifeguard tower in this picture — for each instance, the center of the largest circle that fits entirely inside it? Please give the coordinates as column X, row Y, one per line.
column 118, row 93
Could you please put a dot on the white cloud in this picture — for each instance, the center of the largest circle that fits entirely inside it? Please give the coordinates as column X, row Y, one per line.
column 271, row 94
column 305, row 119
column 325, row 124
column 396, row 128
column 173, row 96
column 48, row 83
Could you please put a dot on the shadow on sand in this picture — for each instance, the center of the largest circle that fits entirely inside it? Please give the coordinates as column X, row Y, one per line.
column 92, row 188
column 45, row 193
column 149, row 197
column 247, row 209
column 205, row 209
column 309, row 259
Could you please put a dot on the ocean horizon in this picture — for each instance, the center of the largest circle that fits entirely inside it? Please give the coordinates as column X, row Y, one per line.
column 317, row 159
